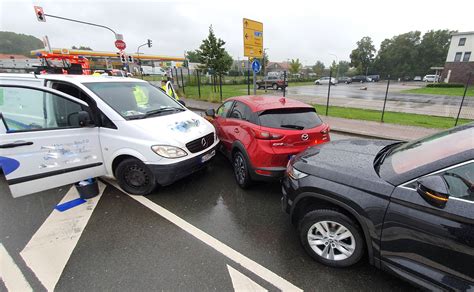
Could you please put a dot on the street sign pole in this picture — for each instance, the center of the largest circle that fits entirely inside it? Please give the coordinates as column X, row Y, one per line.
column 253, row 47
column 254, row 82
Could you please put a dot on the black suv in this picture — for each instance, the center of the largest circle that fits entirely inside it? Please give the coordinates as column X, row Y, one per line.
column 409, row 206
column 360, row 78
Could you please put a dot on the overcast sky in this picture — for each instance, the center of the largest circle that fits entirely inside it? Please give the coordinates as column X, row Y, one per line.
column 308, row 30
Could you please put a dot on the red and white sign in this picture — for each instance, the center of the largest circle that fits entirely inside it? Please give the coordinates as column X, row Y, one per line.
column 119, row 44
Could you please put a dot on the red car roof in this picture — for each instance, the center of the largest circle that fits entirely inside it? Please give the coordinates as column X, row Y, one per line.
column 267, row 102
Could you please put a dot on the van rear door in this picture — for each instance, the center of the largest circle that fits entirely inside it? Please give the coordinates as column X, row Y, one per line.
column 43, row 141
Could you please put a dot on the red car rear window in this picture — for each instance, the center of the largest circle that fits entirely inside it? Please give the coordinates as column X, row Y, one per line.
column 290, row 118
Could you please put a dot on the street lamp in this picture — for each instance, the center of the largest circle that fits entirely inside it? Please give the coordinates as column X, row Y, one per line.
column 337, row 64
column 148, row 43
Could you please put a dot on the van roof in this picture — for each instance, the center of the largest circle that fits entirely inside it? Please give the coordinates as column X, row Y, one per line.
column 71, row 78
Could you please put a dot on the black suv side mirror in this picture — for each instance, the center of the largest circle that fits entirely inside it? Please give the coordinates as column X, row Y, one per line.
column 84, row 119
column 433, row 189
column 211, row 112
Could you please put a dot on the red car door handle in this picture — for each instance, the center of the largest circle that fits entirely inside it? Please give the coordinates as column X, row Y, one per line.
column 236, row 130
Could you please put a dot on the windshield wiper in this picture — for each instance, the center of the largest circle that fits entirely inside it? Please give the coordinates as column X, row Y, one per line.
column 161, row 110
column 380, row 157
column 292, row 127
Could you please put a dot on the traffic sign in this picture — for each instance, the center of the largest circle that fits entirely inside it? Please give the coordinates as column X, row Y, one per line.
column 119, row 44
column 256, row 67
column 253, row 38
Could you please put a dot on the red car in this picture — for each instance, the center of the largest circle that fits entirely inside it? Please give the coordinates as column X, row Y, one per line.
column 260, row 133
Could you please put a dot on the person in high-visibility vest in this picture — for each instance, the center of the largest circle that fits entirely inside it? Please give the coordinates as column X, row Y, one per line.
column 168, row 89
column 140, row 96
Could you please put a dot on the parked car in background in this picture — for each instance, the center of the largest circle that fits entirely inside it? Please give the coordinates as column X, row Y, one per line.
column 273, row 82
column 360, row 78
column 325, row 80
column 346, row 80
column 408, row 206
column 431, row 78
column 374, row 78
column 417, row 78
column 259, row 134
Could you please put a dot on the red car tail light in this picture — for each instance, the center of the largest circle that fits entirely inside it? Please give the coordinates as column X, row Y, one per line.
column 265, row 135
column 325, row 130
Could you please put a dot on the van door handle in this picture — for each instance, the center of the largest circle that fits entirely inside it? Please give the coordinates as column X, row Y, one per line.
column 16, row 144
column 236, row 130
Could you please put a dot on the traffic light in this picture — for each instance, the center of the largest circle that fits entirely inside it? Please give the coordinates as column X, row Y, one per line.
column 149, row 43
column 123, row 58
column 130, row 59
column 40, row 14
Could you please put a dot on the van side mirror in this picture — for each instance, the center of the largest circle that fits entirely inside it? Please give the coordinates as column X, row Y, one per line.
column 211, row 112
column 84, row 119
column 433, row 189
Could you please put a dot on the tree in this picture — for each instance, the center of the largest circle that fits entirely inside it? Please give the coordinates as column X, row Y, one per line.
column 333, row 68
column 192, row 56
column 81, row 48
column 363, row 55
column 432, row 50
column 343, row 67
column 213, row 56
column 399, row 55
column 21, row 44
column 295, row 66
column 318, row 68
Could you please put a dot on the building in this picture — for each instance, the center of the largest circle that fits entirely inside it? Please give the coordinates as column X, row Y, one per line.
column 278, row 67
column 460, row 61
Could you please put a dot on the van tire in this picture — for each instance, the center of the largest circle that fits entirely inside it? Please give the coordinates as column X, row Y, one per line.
column 135, row 177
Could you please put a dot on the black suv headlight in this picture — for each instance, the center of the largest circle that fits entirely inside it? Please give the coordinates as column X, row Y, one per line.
column 294, row 173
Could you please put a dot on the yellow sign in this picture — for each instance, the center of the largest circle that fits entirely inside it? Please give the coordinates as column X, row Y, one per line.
column 253, row 38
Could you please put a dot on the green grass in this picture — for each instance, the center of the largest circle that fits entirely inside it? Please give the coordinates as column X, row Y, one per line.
column 390, row 117
column 442, row 91
column 208, row 94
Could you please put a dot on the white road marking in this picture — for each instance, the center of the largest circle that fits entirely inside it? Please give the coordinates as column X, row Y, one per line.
column 243, row 283
column 11, row 274
column 50, row 248
column 224, row 249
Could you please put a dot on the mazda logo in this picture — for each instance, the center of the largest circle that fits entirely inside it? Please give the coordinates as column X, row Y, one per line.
column 304, row 137
column 203, row 142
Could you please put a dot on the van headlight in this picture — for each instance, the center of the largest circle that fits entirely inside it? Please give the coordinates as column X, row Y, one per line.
column 294, row 173
column 168, row 151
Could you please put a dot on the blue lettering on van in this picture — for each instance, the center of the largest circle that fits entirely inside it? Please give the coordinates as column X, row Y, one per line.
column 8, row 165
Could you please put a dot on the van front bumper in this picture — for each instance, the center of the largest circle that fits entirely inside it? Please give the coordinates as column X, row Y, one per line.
column 169, row 173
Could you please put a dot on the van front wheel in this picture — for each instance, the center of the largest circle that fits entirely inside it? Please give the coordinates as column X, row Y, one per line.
column 135, row 177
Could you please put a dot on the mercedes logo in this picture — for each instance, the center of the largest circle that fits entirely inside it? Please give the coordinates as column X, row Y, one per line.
column 304, row 137
column 203, row 142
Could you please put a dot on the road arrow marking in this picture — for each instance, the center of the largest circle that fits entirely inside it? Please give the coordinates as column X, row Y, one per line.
column 50, row 248
column 243, row 283
column 11, row 274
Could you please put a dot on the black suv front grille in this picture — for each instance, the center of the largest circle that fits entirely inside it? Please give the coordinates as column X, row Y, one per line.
column 197, row 145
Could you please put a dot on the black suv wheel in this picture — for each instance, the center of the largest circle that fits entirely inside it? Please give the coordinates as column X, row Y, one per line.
column 331, row 238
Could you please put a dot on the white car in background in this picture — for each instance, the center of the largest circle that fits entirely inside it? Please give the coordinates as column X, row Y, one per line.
column 417, row 78
column 431, row 78
column 325, row 80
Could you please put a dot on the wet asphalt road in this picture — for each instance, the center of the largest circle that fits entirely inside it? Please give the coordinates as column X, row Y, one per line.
column 375, row 91
column 125, row 246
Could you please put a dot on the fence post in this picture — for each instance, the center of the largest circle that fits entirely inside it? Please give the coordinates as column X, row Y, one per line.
column 284, row 83
column 248, row 81
column 182, row 79
column 385, row 101
column 463, row 97
column 199, row 84
column 220, row 85
column 176, row 75
column 329, row 91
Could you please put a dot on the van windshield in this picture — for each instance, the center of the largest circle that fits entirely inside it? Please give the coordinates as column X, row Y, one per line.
column 134, row 100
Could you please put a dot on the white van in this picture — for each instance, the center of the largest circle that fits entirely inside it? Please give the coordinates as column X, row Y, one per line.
column 149, row 70
column 60, row 129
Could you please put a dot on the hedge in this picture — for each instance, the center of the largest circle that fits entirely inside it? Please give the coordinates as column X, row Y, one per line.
column 445, row 85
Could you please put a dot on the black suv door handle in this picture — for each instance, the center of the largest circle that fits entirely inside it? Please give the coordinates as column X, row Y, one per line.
column 16, row 144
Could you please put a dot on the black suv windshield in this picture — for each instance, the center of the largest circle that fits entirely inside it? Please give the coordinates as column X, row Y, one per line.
column 290, row 118
column 134, row 99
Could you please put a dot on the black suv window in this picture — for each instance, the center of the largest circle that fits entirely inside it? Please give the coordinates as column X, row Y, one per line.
column 290, row 118
column 241, row 112
column 460, row 181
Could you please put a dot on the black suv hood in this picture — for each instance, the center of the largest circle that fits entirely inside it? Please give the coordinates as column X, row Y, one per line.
column 348, row 162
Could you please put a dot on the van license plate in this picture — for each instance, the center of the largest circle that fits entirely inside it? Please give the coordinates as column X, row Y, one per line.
column 208, row 156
